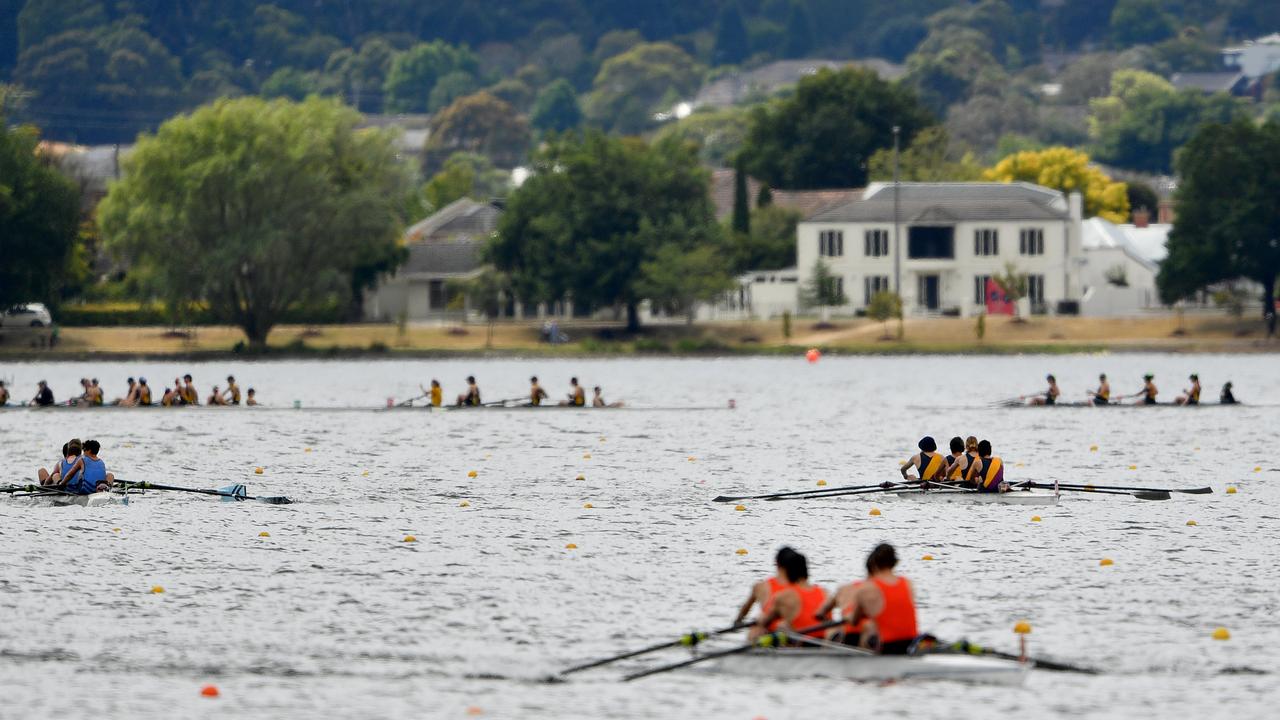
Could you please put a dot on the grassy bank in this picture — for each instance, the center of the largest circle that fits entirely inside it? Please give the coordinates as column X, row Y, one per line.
column 934, row 335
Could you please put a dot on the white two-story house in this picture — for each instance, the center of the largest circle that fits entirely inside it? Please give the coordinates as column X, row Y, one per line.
column 936, row 244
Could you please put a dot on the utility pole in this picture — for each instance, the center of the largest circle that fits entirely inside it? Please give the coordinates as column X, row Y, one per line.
column 897, row 245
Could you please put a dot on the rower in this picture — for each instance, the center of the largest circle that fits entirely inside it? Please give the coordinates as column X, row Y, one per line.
column 436, row 393
column 170, row 398
column 577, row 396
column 798, row 604
column 764, row 592
column 887, row 601
column 232, row 393
column 215, row 398
column 70, row 456
column 86, row 395
column 144, row 393
column 250, row 397
column 1050, row 395
column 536, row 393
column 850, row 633
column 927, row 463
column 129, row 397
column 1191, row 396
column 95, row 477
column 188, row 392
column 4, row 394
column 987, row 472
column 95, row 393
column 471, row 397
column 1227, row 397
column 597, row 399
column 958, row 461
column 44, row 396
column 1102, row 396
column 1149, row 391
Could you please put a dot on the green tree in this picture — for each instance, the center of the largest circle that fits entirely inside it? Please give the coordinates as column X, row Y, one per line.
column 556, row 108
column 741, row 199
column 39, row 220
column 718, row 132
column 1137, row 22
column 1067, row 170
column 1142, row 196
column 358, row 76
column 799, row 34
column 486, row 293
column 595, row 209
column 884, row 306
column 479, row 123
column 1228, row 221
column 731, row 42
column 824, row 135
column 930, row 158
column 465, row 175
column 414, row 73
column 771, row 243
column 289, row 83
column 951, row 65
column 449, row 88
column 631, row 87
column 291, row 223
column 823, row 289
column 677, row 278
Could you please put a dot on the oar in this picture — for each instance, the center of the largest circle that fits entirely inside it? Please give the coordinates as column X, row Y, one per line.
column 229, row 493
column 1189, row 491
column 885, row 487
column 411, row 401
column 733, row 498
column 773, row 639
column 965, row 646
column 689, row 640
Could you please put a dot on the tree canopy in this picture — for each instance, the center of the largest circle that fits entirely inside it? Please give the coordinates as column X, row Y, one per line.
column 630, row 88
column 479, row 123
column 257, row 207
column 824, row 135
column 1067, row 170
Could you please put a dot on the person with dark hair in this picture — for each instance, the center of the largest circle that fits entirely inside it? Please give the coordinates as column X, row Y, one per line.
column 763, row 592
column 4, row 394
column 96, row 397
column 796, row 605
column 251, row 397
column 1149, row 390
column 987, row 472
column 1191, row 396
column 144, row 393
column 1050, row 396
column 95, row 477
column 470, row 398
column 188, row 391
column 1102, row 396
column 957, row 461
column 130, row 397
column 887, row 602
column 577, row 395
column 1227, row 397
column 232, row 393
column 44, row 396
column 436, row 393
column 67, row 467
column 927, row 463
column 597, row 399
column 215, row 398
column 536, row 393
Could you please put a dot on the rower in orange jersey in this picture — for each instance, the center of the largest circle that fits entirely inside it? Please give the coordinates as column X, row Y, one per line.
column 797, row 606
column 850, row 633
column 764, row 592
column 887, row 602
column 928, row 463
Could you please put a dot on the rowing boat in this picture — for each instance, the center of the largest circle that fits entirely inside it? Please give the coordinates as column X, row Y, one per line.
column 953, row 495
column 804, row 663
column 56, row 499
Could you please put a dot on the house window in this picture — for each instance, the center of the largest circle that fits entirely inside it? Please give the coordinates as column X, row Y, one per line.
column 837, row 287
column 1031, row 241
column 1035, row 289
column 980, row 289
column 831, row 243
column 873, row 284
column 876, row 243
column 986, row 241
column 930, row 243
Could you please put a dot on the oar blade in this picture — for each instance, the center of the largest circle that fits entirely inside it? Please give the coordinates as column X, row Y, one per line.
column 1198, row 491
column 1152, row 495
column 231, row 493
column 275, row 500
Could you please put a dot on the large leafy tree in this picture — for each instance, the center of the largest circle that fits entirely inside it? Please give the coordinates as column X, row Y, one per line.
column 931, row 158
column 413, row 74
column 595, row 210
column 1067, row 170
column 1228, row 223
column 824, row 134
column 556, row 108
column 631, row 87
column 39, row 218
column 258, row 207
column 479, row 123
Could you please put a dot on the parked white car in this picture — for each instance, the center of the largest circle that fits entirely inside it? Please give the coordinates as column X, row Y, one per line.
column 28, row 315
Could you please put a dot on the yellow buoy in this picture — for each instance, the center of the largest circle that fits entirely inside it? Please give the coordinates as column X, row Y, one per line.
column 1035, row 518
column 1257, row 469
column 156, row 589
column 1022, row 627
column 740, row 507
column 588, row 506
column 741, row 551
column 1093, row 448
column 692, row 458
column 602, row 439
column 822, row 483
column 264, row 533
column 364, row 474
column 1105, row 562
column 472, row 474
column 1231, row 490
column 307, row 450
column 1133, row 467
column 586, row 456
column 1221, row 634
column 257, row 471
column 581, row 477
column 115, row 529
column 1191, row 523
column 410, row 538
column 570, row 546
column 1018, row 465
column 464, row 503
column 875, row 511
column 927, row 557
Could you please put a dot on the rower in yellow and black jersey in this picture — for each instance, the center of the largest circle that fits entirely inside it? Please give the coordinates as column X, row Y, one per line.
column 470, row 398
column 1191, row 396
column 963, row 454
column 577, row 394
column 144, row 392
column 1051, row 394
column 988, row 471
column 1149, row 391
column 536, row 393
column 928, row 463
column 1102, row 396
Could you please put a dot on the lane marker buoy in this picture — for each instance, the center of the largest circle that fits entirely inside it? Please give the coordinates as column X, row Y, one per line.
column 1035, row 518
column 741, row 551
column 410, row 538
column 875, row 511
column 1105, row 562
column 1221, row 634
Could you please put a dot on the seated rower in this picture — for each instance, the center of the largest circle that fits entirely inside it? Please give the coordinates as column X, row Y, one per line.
column 536, row 393
column 1102, row 396
column 764, row 592
column 436, row 393
column 470, row 398
column 231, row 395
column 215, row 398
column 130, row 397
column 144, row 393
column 958, row 461
column 1149, row 391
column 927, row 463
column 797, row 605
column 95, row 477
column 1050, row 396
column 170, row 398
column 251, row 397
column 1191, row 396
column 4, row 394
column 577, row 395
column 44, row 395
column 63, row 468
column 96, row 396
column 987, row 472
column 1227, row 397
column 597, row 399
column 886, row 600
column 188, row 392
column 850, row 633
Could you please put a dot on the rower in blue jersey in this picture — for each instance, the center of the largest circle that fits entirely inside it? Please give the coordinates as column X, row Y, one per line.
column 95, row 477
column 66, row 467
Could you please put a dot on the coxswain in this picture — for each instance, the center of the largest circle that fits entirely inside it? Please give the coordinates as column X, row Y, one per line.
column 1102, row 396
column 1051, row 394
column 764, row 592
column 250, row 397
column 470, row 398
column 1191, row 396
column 886, row 600
column 44, row 396
column 797, row 605
column 144, row 393
column 577, row 395
column 215, row 398
column 597, row 399
column 927, row 463
column 188, row 392
column 4, row 394
column 536, row 393
column 987, row 472
column 232, row 393
column 1227, row 397
column 1148, row 392
column 129, row 397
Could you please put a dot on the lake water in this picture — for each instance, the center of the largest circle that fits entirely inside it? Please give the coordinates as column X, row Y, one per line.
column 334, row 615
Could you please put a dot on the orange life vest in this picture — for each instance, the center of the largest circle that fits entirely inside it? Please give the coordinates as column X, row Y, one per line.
column 897, row 620
column 811, row 600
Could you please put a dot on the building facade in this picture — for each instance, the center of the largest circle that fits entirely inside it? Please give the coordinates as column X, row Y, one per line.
column 936, row 245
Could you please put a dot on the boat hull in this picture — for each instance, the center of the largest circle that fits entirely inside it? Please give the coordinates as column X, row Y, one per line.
column 1013, row 497
column 97, row 499
column 803, row 663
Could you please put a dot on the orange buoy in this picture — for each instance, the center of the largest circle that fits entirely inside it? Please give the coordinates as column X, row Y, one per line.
column 209, row 691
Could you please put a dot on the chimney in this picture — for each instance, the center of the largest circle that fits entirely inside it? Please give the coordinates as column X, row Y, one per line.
column 1165, row 215
column 1075, row 205
column 1141, row 217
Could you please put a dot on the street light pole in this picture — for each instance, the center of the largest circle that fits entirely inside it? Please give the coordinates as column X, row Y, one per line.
column 897, row 252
